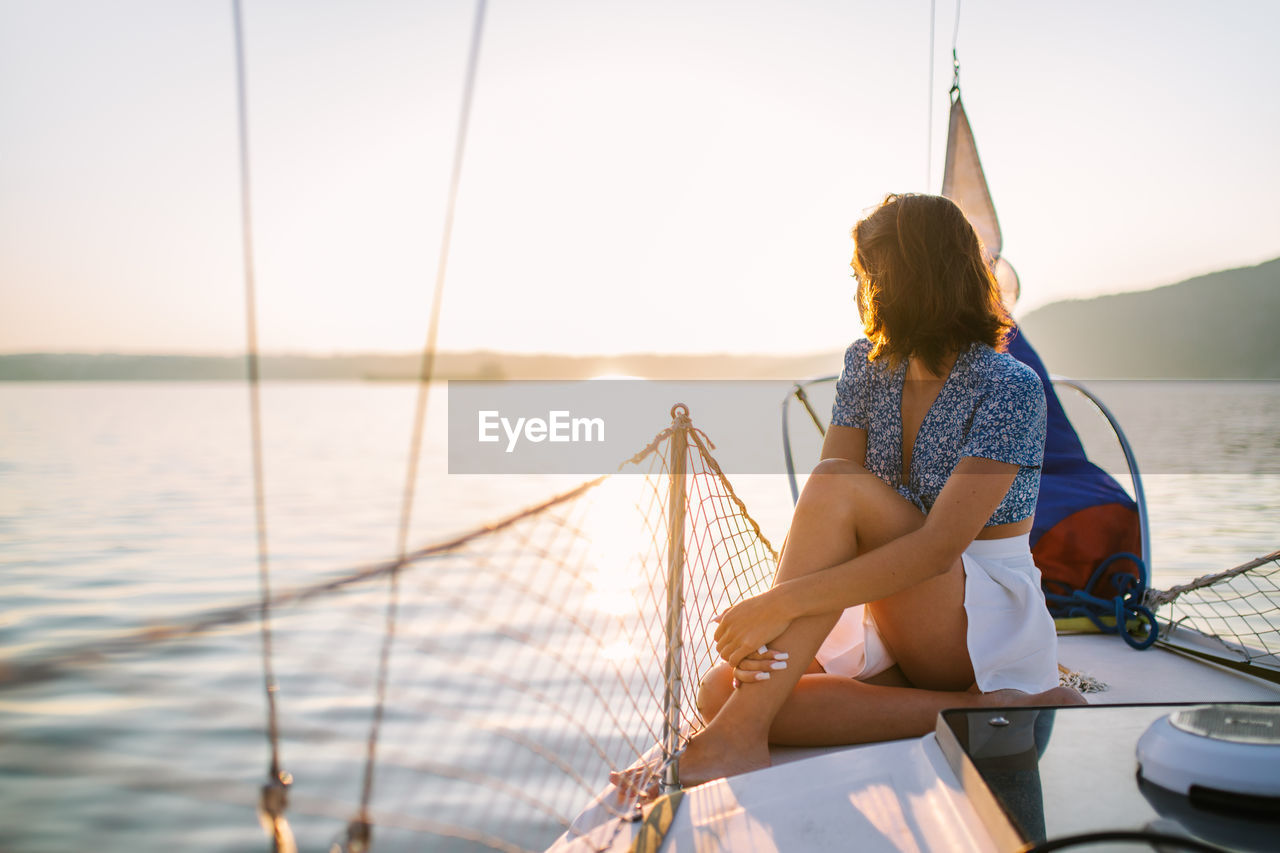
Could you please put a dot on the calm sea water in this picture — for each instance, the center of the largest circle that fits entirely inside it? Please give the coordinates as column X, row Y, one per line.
column 123, row 504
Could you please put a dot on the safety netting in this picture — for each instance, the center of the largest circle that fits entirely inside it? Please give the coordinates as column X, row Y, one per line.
column 1231, row 617
column 528, row 659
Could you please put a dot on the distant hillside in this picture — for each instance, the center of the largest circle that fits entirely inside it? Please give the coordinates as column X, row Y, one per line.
column 1217, row 326
column 465, row 365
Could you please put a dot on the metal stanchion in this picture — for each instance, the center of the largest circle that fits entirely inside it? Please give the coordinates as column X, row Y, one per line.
column 679, row 450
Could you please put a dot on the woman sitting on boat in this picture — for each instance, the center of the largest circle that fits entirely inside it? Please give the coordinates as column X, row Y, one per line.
column 906, row 583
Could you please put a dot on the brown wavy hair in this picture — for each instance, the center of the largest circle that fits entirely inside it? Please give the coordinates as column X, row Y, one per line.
column 925, row 286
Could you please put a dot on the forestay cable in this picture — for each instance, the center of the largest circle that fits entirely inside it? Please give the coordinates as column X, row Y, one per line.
column 358, row 831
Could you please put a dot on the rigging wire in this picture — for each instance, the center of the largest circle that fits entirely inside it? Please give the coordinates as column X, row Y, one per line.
column 274, row 793
column 955, row 82
column 358, row 832
column 928, row 143
column 955, row 58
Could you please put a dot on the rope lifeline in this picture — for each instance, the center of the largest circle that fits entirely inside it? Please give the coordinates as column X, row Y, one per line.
column 1158, row 598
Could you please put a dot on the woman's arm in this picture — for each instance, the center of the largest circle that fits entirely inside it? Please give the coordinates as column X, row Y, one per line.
column 844, row 442
column 970, row 496
column 968, row 499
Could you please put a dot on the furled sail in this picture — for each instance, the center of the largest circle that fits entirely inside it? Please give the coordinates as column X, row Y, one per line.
column 1084, row 521
column 964, row 182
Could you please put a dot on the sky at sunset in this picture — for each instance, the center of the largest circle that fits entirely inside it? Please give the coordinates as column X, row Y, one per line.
column 641, row 176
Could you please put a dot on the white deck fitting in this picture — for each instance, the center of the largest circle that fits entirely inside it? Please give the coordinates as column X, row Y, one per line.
column 900, row 796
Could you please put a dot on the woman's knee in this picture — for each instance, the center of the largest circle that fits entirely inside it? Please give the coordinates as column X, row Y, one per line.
column 838, row 466
column 834, row 479
column 835, row 485
column 714, row 690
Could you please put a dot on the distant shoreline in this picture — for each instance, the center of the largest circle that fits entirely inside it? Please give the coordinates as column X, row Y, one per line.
column 61, row 367
column 1221, row 326
column 483, row 365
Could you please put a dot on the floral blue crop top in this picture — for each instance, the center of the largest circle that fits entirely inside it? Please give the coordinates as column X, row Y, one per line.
column 992, row 406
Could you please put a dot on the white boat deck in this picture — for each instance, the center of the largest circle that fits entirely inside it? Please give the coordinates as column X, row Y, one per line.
column 1157, row 674
column 898, row 796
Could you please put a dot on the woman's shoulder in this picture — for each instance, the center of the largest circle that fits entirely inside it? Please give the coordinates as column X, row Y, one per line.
column 1002, row 369
column 858, row 351
column 856, row 363
column 855, row 388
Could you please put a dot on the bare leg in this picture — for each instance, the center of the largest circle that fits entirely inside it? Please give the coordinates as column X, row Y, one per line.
column 843, row 511
column 829, row 710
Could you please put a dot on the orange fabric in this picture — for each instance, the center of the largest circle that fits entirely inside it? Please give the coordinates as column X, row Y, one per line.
column 1068, row 553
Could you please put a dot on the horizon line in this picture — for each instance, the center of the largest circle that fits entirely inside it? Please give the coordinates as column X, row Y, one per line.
column 418, row 354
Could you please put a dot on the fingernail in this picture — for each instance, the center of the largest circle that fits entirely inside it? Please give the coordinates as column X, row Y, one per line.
column 781, row 664
column 762, row 676
column 762, row 650
column 781, row 655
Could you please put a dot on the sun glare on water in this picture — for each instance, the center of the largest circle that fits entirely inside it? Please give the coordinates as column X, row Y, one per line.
column 616, row 529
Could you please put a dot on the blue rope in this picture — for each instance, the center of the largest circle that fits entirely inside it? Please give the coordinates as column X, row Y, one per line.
column 1127, row 604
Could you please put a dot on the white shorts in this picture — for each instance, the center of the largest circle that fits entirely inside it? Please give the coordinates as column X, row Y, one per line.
column 1011, row 637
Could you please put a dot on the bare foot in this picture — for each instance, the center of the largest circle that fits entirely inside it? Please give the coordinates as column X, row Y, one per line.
column 712, row 755
column 639, row 783
column 709, row 755
column 1059, row 696
column 1013, row 698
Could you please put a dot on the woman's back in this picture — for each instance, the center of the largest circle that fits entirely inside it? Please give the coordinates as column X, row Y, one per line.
column 991, row 406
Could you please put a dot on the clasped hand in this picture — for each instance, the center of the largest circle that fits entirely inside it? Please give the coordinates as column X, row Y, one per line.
column 748, row 626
